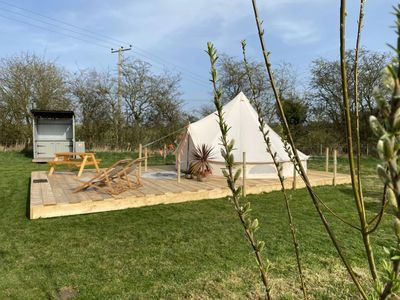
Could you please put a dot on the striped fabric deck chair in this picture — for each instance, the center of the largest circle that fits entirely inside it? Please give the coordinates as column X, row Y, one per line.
column 123, row 179
column 108, row 180
column 103, row 181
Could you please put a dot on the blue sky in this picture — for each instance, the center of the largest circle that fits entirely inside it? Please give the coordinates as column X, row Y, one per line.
column 172, row 34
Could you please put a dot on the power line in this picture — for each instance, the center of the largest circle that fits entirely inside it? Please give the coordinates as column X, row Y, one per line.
column 52, row 24
column 96, row 35
column 54, row 31
column 62, row 22
column 92, row 37
column 87, row 41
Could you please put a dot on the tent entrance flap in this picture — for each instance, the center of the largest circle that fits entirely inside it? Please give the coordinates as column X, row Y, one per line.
column 184, row 149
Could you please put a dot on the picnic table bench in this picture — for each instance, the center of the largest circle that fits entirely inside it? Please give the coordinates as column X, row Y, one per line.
column 77, row 159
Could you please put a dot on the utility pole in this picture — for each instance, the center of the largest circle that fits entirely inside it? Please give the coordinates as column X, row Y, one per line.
column 119, row 104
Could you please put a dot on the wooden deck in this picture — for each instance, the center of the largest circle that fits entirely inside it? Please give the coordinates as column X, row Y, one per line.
column 52, row 196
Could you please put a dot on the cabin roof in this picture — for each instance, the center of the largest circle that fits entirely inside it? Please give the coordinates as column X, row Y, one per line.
column 52, row 113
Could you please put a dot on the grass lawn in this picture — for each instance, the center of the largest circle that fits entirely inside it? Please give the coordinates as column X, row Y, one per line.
column 192, row 250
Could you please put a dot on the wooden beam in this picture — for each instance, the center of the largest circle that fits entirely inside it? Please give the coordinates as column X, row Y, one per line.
column 244, row 175
column 334, row 167
column 179, row 167
column 327, row 159
column 140, row 164
column 165, row 154
column 145, row 160
column 294, row 177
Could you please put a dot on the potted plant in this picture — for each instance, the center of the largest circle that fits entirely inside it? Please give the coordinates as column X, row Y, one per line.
column 200, row 165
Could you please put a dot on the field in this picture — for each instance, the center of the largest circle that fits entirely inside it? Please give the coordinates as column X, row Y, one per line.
column 194, row 250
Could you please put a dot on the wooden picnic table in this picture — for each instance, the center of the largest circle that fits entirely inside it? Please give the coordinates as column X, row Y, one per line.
column 78, row 159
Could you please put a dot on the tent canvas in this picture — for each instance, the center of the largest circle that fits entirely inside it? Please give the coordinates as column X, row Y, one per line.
column 242, row 119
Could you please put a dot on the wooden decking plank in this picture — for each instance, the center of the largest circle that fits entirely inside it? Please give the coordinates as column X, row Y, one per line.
column 47, row 193
column 56, row 197
column 56, row 184
column 197, row 185
column 184, row 185
column 168, row 185
column 158, row 190
column 83, row 196
column 35, row 192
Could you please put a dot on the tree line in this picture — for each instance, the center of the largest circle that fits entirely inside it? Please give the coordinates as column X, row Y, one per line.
column 151, row 105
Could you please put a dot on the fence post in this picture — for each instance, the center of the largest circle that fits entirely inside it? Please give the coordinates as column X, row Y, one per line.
column 326, row 159
column 140, row 164
column 179, row 167
column 244, row 175
column 320, row 149
column 367, row 150
column 145, row 159
column 165, row 154
column 294, row 177
column 334, row 167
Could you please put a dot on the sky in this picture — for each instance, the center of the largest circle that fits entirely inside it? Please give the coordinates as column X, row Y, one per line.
column 172, row 34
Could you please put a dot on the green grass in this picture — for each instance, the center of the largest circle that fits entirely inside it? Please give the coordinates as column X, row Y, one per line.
column 193, row 250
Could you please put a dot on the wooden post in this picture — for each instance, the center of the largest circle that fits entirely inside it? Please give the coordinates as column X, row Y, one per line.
column 140, row 156
column 334, row 167
column 327, row 159
column 366, row 150
column 179, row 167
column 165, row 154
column 320, row 149
column 244, row 175
column 294, row 177
column 145, row 159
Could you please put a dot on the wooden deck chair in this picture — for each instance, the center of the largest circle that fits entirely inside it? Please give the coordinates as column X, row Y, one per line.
column 104, row 180
column 123, row 179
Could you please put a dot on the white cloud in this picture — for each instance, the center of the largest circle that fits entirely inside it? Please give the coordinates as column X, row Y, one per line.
column 154, row 23
column 295, row 32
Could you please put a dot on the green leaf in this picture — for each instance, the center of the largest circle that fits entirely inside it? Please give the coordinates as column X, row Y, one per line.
column 391, row 68
column 376, row 127
column 379, row 149
column 396, row 120
column 382, row 174
column 254, row 225
column 246, row 208
column 396, row 227
column 237, row 174
column 387, row 147
column 260, row 246
column 247, row 221
column 391, row 198
column 386, row 250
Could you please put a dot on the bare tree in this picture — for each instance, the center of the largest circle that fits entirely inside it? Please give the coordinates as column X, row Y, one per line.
column 96, row 104
column 26, row 82
column 234, row 79
column 151, row 101
column 325, row 95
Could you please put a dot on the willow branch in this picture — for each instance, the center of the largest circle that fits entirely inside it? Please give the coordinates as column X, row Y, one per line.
column 336, row 215
column 249, row 225
column 278, row 167
column 378, row 217
column 356, row 98
column 347, row 114
column 297, row 159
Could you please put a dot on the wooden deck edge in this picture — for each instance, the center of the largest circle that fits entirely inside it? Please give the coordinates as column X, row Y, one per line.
column 112, row 204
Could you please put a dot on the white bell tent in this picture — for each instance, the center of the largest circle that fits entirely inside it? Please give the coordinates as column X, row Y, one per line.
column 243, row 120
